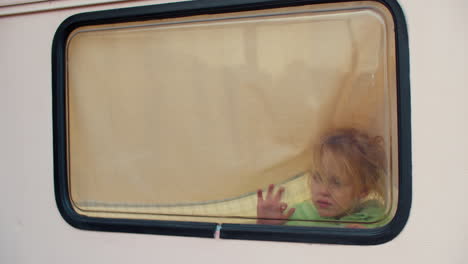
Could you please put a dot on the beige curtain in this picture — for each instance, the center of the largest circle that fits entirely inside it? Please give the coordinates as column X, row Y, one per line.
column 201, row 111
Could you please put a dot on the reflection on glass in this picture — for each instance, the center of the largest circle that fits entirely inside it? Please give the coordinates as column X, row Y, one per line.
column 184, row 119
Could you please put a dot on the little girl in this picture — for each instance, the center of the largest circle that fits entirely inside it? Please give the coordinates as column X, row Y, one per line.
column 349, row 167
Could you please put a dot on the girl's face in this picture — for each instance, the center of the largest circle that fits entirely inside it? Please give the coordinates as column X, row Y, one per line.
column 335, row 193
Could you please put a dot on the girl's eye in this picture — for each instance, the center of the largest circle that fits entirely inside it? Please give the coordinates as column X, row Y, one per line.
column 335, row 182
column 317, row 178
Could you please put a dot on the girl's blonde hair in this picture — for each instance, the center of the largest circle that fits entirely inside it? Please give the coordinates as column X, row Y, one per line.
column 363, row 157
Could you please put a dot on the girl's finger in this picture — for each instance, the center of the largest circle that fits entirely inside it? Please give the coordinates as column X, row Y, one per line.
column 283, row 207
column 259, row 195
column 290, row 212
column 279, row 194
column 271, row 187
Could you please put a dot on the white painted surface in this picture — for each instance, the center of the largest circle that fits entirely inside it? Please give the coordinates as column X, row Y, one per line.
column 16, row 7
column 32, row 231
column 18, row 2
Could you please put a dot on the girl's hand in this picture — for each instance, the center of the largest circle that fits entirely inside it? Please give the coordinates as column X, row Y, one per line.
column 271, row 211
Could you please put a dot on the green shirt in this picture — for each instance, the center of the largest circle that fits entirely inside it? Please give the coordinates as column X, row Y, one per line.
column 371, row 212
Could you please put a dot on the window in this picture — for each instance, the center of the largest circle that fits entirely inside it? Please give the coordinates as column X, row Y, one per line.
column 169, row 118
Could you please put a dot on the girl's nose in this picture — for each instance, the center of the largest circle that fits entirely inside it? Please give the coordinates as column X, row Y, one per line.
column 323, row 189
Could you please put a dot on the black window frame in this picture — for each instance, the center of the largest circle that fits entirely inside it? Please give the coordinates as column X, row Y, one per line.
column 228, row 231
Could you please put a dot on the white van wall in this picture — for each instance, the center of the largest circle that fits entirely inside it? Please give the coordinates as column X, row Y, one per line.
column 32, row 230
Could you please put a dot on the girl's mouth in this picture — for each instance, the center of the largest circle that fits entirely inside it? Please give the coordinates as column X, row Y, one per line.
column 323, row 204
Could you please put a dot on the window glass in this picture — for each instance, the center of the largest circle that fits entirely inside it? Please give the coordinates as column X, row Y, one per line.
column 186, row 118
